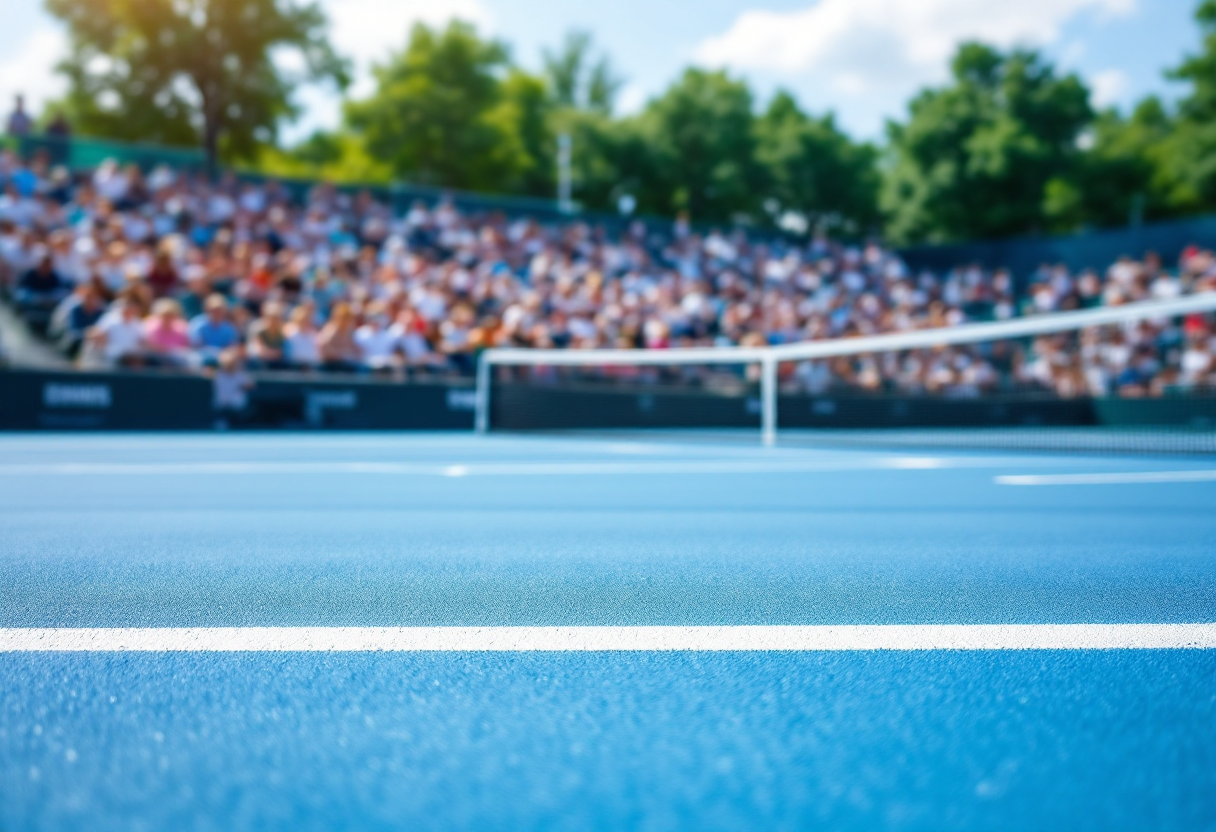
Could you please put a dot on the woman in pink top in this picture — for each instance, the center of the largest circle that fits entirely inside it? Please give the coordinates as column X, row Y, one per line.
column 166, row 334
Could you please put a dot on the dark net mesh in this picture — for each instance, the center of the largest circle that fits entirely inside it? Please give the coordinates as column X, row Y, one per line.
column 1144, row 386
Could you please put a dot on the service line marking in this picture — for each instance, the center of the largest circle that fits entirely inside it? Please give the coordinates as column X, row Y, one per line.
column 1130, row 478
column 862, row 637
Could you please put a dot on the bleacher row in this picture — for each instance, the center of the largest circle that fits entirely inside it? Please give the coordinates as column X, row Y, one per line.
column 121, row 268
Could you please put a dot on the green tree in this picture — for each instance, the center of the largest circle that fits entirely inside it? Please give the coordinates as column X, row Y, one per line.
column 816, row 170
column 191, row 71
column 976, row 158
column 335, row 156
column 578, row 79
column 437, row 115
column 702, row 135
column 525, row 113
column 1189, row 161
column 611, row 158
column 1120, row 177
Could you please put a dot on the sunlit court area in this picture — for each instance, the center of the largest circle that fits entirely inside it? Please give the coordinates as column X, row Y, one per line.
column 506, row 415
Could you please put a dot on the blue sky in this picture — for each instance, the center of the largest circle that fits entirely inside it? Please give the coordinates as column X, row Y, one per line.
column 860, row 58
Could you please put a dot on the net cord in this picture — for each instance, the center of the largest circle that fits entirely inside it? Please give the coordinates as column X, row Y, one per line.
column 770, row 357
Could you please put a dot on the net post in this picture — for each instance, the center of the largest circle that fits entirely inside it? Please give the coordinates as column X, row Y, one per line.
column 768, row 399
column 481, row 413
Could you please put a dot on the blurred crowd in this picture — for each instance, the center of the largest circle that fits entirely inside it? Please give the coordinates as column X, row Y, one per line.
column 1150, row 357
column 126, row 269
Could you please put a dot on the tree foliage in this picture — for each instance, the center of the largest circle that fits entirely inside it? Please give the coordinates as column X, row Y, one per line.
column 1188, row 162
column 525, row 112
column 701, row 134
column 448, row 110
column 815, row 170
column 191, row 71
column 977, row 158
column 1119, row 177
column 1008, row 146
column 578, row 79
column 429, row 117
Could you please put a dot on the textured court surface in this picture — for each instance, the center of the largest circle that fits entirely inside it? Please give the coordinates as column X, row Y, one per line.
column 386, row 531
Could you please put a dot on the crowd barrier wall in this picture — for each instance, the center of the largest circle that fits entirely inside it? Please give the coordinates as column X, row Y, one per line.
column 103, row 401
column 358, row 404
column 31, row 400
column 35, row 400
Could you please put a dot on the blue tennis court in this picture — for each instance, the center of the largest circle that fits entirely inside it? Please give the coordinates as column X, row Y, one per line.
column 125, row 537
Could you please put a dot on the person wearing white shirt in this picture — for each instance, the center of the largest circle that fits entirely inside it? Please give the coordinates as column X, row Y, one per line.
column 119, row 334
column 111, row 182
column 378, row 344
column 302, row 349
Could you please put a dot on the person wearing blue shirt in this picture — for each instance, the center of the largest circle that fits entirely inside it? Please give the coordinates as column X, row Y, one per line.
column 213, row 331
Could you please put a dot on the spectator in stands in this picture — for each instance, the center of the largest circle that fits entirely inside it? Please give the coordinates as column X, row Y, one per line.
column 230, row 388
column 17, row 202
column 1198, row 363
column 433, row 286
column 59, row 128
column 457, row 341
column 118, row 338
column 166, row 334
column 19, row 122
column 339, row 352
column 197, row 288
column 268, row 340
column 302, row 349
column 213, row 331
column 162, row 277
column 337, row 345
column 59, row 132
column 76, row 315
column 409, row 335
column 376, row 342
column 40, row 290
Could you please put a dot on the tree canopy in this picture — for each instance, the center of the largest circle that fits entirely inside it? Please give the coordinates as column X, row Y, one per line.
column 815, row 170
column 1009, row 145
column 434, row 116
column 978, row 157
column 207, row 72
column 1190, row 156
column 701, row 133
column 579, row 80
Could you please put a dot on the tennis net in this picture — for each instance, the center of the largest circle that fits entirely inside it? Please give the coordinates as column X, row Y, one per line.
column 1135, row 377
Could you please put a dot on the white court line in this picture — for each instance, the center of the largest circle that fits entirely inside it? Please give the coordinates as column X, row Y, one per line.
column 1112, row 478
column 591, row 468
column 882, row 637
column 514, row 469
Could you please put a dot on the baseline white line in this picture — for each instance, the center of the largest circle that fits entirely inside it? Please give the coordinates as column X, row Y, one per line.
column 516, row 469
column 610, row 639
column 471, row 469
column 1130, row 478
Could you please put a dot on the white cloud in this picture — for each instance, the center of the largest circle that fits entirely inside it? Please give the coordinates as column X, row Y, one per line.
column 632, row 99
column 1107, row 87
column 864, row 44
column 30, row 70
